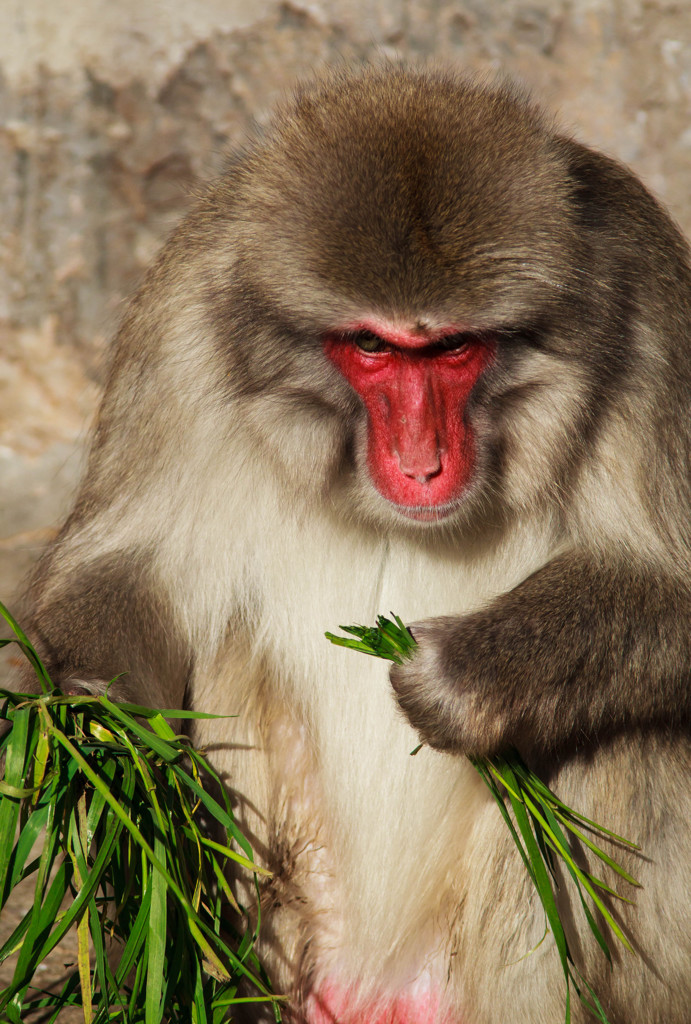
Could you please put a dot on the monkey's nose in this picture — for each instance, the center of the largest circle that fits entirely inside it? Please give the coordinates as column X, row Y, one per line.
column 421, row 468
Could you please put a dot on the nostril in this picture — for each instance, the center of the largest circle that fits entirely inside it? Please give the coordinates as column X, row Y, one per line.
column 420, row 469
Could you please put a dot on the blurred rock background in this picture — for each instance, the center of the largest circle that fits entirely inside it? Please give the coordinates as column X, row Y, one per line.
column 111, row 112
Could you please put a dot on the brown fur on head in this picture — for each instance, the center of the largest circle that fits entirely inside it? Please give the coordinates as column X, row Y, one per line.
column 422, row 197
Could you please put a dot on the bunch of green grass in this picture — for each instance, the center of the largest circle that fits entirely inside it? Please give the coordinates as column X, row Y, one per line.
column 99, row 805
column 538, row 827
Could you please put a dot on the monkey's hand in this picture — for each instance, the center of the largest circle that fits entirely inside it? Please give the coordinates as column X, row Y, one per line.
column 115, row 690
column 118, row 690
column 446, row 691
column 574, row 654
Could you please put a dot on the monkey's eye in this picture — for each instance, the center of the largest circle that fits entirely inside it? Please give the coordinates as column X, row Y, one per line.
column 453, row 342
column 368, row 341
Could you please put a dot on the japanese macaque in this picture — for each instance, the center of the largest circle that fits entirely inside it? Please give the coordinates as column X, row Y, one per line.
column 416, row 351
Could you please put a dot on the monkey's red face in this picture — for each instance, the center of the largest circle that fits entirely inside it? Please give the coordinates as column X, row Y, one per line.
column 420, row 446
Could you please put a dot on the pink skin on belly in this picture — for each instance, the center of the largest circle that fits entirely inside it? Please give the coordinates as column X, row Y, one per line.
column 337, row 1004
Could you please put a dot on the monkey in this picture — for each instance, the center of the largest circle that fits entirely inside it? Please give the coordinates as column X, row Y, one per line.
column 416, row 349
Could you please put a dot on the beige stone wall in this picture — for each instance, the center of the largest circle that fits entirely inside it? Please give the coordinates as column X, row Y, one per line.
column 112, row 111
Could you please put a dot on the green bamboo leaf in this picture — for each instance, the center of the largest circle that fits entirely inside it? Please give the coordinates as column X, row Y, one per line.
column 26, row 841
column 137, row 936
column 41, row 757
column 199, row 1015
column 12, row 1012
column 531, row 780
column 482, row 767
column 73, row 743
column 15, row 762
column 592, row 924
column 84, row 968
column 224, row 887
column 79, row 905
column 609, row 861
column 540, row 874
column 583, row 878
column 98, row 808
column 156, row 940
column 126, row 821
column 103, row 976
column 595, row 1007
column 605, row 911
column 175, row 713
column 11, row 945
column 41, row 918
column 46, row 861
column 18, row 792
column 226, row 851
column 222, row 816
column 164, row 750
column 27, row 648
column 354, row 645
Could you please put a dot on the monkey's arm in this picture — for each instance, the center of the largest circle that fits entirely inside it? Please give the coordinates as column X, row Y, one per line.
column 104, row 625
column 575, row 653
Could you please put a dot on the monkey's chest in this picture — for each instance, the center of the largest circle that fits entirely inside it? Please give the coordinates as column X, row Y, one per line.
column 369, row 841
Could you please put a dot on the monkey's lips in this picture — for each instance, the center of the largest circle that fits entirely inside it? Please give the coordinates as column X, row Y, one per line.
column 429, row 502
column 427, row 513
column 424, row 500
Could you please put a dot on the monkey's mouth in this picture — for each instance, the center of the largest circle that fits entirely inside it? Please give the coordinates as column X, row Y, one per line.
column 427, row 513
